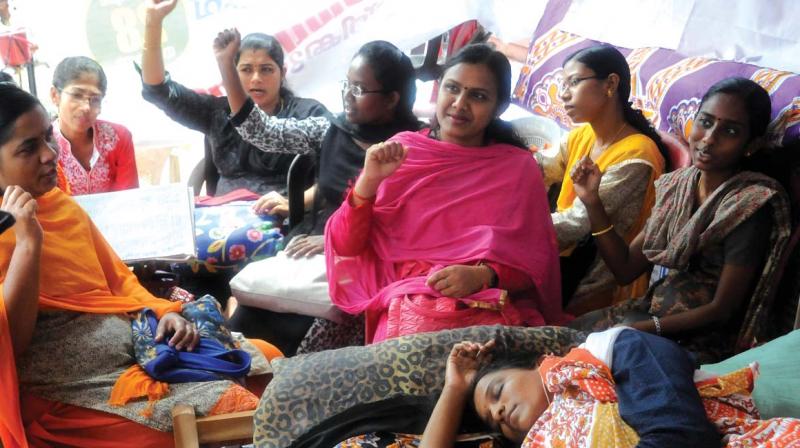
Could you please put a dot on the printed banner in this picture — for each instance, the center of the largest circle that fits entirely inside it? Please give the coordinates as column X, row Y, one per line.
column 319, row 37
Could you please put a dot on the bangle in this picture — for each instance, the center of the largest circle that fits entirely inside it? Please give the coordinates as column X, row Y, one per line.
column 493, row 282
column 658, row 325
column 362, row 198
column 604, row 231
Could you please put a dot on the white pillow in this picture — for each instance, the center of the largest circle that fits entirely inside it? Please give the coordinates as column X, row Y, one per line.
column 286, row 285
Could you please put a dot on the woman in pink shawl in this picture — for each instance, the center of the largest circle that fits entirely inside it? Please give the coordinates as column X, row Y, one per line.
column 448, row 227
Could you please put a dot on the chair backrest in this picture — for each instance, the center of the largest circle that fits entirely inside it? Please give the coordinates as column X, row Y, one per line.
column 301, row 175
column 679, row 156
column 198, row 177
column 785, row 313
column 205, row 172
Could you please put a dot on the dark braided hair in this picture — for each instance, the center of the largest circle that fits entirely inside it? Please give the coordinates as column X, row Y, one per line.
column 604, row 60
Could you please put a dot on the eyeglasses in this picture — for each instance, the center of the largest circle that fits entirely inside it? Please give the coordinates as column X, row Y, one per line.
column 356, row 90
column 571, row 83
column 95, row 101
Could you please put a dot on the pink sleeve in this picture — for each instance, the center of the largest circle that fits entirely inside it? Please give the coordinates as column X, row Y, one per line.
column 123, row 164
column 350, row 227
column 511, row 279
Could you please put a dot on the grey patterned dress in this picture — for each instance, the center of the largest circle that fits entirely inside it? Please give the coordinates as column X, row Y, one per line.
column 622, row 190
column 91, row 352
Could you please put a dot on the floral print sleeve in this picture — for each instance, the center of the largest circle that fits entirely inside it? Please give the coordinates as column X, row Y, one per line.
column 280, row 135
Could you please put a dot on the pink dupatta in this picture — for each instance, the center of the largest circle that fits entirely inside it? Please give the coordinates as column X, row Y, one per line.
column 448, row 204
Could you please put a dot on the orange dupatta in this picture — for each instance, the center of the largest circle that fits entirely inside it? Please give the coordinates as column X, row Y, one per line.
column 80, row 272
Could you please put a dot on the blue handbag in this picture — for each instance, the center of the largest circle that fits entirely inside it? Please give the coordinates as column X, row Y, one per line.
column 215, row 357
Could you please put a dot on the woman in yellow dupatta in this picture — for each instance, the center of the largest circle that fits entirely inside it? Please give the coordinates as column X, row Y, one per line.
column 65, row 340
column 626, row 148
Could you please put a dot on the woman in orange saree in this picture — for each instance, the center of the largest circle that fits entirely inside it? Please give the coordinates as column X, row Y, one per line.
column 68, row 373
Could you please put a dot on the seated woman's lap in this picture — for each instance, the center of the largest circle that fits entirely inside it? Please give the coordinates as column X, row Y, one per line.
column 49, row 423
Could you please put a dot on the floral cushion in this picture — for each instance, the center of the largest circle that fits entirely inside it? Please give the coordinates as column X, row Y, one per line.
column 665, row 85
column 778, row 367
column 323, row 398
column 230, row 236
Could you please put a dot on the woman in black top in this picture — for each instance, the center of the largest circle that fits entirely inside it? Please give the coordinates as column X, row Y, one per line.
column 377, row 94
column 231, row 163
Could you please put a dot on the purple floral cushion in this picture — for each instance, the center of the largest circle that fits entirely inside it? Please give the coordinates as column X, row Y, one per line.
column 665, row 85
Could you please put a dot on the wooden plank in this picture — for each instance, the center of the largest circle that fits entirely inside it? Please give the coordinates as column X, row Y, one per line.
column 226, row 427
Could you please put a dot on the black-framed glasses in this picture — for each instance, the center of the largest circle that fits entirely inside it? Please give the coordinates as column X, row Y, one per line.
column 95, row 101
column 571, row 83
column 356, row 90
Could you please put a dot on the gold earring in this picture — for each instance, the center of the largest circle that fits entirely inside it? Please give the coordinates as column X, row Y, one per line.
column 610, row 93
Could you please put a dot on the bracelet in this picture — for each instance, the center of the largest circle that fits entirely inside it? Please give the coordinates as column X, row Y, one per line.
column 493, row 282
column 362, row 198
column 658, row 325
column 604, row 231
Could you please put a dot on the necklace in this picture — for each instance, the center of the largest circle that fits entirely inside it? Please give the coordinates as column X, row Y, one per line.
column 544, row 387
column 597, row 151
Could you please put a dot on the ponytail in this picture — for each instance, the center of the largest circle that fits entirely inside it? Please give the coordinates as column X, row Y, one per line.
column 636, row 118
column 605, row 60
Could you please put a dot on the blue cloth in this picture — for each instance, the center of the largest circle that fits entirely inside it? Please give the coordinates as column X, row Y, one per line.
column 215, row 357
column 656, row 392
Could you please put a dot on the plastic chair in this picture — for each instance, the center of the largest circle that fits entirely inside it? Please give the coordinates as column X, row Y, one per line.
column 679, row 156
column 300, row 178
column 537, row 131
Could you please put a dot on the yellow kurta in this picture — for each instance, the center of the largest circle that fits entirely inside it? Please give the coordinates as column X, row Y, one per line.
column 636, row 148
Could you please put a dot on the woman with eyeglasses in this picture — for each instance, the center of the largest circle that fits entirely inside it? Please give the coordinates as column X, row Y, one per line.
column 378, row 94
column 629, row 153
column 96, row 155
column 448, row 227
